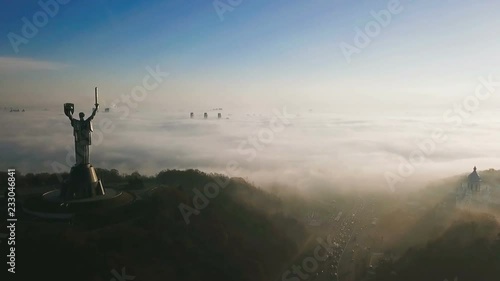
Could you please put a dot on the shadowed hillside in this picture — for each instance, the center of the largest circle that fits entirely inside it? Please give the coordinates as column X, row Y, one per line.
column 469, row 250
column 241, row 235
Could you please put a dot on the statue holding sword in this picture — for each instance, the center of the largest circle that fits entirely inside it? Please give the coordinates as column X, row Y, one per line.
column 82, row 131
column 83, row 182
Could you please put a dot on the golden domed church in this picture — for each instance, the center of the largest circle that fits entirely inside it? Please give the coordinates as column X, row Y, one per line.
column 474, row 181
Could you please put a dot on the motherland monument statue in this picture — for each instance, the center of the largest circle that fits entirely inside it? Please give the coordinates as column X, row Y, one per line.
column 83, row 181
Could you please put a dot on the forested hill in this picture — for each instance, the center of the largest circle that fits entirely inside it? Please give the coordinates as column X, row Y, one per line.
column 468, row 251
column 241, row 234
column 464, row 243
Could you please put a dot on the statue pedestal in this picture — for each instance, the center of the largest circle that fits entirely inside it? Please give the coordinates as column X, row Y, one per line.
column 82, row 183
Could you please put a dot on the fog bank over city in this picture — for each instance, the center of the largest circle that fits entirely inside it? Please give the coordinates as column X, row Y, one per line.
column 297, row 148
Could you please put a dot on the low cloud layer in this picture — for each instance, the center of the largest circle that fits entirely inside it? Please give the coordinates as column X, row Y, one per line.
column 311, row 150
column 15, row 64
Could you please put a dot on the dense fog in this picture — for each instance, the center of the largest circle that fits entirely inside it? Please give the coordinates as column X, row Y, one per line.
column 299, row 148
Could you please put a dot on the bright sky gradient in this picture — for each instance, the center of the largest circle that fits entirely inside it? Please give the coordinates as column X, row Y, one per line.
column 261, row 53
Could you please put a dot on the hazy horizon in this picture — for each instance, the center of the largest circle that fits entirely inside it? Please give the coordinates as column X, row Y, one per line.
column 310, row 150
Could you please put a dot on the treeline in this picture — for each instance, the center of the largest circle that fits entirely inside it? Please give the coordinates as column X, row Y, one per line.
column 113, row 176
column 35, row 180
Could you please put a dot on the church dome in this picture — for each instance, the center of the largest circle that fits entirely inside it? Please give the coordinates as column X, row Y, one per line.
column 474, row 177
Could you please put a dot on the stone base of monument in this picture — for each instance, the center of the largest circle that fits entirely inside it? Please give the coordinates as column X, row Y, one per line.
column 82, row 183
column 82, row 195
column 50, row 205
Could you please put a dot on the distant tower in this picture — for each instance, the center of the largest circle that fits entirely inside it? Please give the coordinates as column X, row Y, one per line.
column 474, row 181
column 205, row 115
column 219, row 115
column 191, row 115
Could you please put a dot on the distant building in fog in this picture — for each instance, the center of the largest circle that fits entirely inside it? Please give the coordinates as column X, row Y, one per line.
column 474, row 181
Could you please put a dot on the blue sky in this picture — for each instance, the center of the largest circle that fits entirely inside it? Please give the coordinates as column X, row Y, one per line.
column 262, row 51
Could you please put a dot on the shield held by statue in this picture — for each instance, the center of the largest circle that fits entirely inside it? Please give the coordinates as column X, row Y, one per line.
column 69, row 109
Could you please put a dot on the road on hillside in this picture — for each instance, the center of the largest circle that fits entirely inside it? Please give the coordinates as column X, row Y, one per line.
column 350, row 247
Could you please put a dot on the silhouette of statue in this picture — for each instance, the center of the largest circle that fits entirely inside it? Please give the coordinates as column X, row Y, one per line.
column 82, row 131
column 83, row 181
